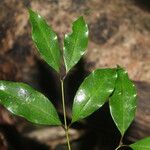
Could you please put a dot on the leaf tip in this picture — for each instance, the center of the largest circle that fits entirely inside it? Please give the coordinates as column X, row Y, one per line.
column 80, row 20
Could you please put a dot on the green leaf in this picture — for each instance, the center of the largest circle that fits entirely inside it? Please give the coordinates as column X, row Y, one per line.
column 22, row 100
column 75, row 43
column 93, row 93
column 123, row 101
column 45, row 40
column 143, row 144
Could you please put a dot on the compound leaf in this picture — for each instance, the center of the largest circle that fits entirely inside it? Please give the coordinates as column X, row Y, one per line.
column 75, row 43
column 93, row 93
column 123, row 101
column 22, row 100
column 45, row 40
column 143, row 144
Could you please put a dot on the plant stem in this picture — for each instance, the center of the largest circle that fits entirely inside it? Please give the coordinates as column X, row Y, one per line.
column 121, row 146
column 68, row 139
column 64, row 113
column 118, row 147
column 120, row 143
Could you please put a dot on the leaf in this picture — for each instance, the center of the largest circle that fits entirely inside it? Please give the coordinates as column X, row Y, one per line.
column 75, row 43
column 143, row 144
column 93, row 93
column 45, row 40
column 123, row 101
column 22, row 100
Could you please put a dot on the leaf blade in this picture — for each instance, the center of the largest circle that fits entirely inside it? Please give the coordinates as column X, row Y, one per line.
column 24, row 101
column 93, row 92
column 45, row 40
column 143, row 144
column 75, row 43
column 123, row 101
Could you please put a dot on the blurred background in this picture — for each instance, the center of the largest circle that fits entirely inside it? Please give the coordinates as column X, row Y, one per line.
column 119, row 34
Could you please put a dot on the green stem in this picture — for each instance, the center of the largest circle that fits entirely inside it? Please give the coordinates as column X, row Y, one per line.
column 64, row 113
column 121, row 144
column 68, row 139
column 118, row 147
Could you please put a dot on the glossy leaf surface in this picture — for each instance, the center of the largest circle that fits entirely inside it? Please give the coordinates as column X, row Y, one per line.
column 93, row 93
column 75, row 43
column 123, row 101
column 45, row 40
column 143, row 144
column 22, row 100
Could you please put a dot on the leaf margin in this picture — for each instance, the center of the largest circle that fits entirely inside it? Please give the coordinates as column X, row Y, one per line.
column 26, row 87
column 68, row 37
